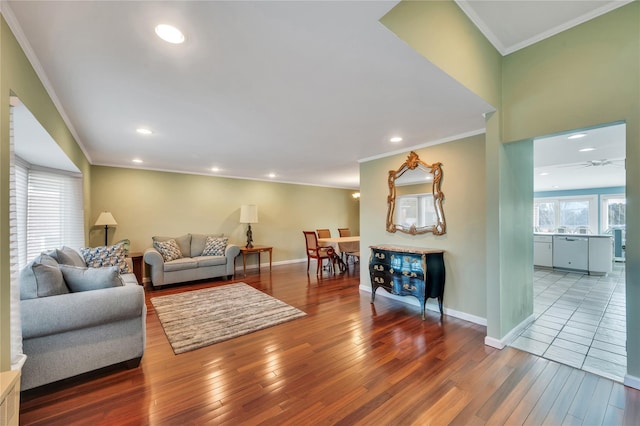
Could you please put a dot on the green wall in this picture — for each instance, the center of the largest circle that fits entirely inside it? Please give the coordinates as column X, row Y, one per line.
column 18, row 78
column 583, row 77
column 580, row 78
column 464, row 207
column 442, row 33
column 147, row 203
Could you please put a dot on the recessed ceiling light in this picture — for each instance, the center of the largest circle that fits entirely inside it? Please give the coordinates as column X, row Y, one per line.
column 555, row 187
column 137, row 160
column 586, row 149
column 272, row 175
column 215, row 169
column 395, row 139
column 544, row 174
column 577, row 136
column 144, row 131
column 169, row 34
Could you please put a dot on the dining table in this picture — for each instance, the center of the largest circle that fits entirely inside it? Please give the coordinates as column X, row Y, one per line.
column 341, row 244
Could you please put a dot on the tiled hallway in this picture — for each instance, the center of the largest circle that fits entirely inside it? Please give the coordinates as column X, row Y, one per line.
column 580, row 321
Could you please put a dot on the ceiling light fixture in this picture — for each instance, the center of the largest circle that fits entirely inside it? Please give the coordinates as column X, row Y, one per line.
column 169, row 34
column 272, row 175
column 215, row 169
column 395, row 139
column 544, row 174
column 144, row 131
column 577, row 136
column 137, row 160
column 586, row 149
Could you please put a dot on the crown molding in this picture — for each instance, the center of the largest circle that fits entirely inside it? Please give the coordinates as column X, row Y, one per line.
column 16, row 29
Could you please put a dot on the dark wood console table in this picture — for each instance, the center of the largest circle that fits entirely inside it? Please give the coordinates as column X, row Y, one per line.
column 408, row 271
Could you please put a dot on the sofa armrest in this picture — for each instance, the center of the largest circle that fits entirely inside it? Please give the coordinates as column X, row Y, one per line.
column 57, row 314
column 154, row 259
column 231, row 252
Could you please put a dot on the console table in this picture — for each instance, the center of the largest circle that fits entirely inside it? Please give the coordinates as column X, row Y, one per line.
column 408, row 271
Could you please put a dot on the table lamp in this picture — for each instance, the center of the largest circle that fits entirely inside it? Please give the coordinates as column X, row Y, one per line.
column 249, row 215
column 106, row 219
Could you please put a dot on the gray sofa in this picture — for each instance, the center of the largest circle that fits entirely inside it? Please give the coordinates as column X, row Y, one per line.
column 192, row 262
column 95, row 319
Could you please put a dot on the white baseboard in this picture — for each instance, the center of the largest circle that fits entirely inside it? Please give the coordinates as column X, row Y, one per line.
column 266, row 264
column 494, row 343
column 432, row 305
column 510, row 336
column 632, row 381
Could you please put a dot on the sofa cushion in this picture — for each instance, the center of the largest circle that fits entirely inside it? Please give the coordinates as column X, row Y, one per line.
column 168, row 249
column 180, row 264
column 98, row 257
column 86, row 279
column 210, row 260
column 198, row 241
column 41, row 278
column 184, row 243
column 215, row 246
column 68, row 256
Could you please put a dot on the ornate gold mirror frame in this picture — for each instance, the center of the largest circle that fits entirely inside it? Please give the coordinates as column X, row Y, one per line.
column 435, row 223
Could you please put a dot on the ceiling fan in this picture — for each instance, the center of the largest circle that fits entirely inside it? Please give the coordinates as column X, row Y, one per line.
column 597, row 163
column 605, row 162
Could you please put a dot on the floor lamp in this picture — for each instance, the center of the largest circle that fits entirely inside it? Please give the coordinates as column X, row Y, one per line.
column 106, row 219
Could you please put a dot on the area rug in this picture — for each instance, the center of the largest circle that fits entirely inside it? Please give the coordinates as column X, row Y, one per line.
column 199, row 318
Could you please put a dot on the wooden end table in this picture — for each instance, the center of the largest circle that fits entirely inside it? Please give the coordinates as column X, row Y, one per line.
column 136, row 259
column 244, row 251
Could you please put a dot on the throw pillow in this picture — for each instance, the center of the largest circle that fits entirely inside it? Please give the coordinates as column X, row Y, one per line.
column 41, row 278
column 183, row 242
column 168, row 249
column 86, row 279
column 98, row 257
column 215, row 246
column 198, row 242
column 68, row 256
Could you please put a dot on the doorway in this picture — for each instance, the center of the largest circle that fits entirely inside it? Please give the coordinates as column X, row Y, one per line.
column 579, row 274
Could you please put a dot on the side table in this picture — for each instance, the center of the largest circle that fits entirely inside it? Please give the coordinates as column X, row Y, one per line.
column 244, row 251
column 136, row 259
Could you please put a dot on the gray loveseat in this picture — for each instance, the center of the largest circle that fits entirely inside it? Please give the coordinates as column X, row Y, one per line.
column 190, row 257
column 94, row 318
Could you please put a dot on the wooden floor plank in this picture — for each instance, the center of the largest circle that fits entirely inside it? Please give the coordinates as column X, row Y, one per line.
column 347, row 362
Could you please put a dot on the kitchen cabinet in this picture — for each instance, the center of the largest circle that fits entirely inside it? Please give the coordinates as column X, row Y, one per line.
column 600, row 255
column 543, row 250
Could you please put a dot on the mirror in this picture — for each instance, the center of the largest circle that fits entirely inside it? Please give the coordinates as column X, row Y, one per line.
column 415, row 199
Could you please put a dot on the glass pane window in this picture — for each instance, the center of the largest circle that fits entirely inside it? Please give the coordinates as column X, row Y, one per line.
column 614, row 212
column 566, row 214
column 544, row 217
column 574, row 213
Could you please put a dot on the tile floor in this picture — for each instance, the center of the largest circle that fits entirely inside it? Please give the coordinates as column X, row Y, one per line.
column 580, row 321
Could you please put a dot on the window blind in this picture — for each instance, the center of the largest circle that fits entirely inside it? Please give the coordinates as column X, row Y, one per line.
column 55, row 215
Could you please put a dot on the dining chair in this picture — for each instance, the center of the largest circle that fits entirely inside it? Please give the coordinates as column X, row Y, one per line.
column 344, row 232
column 317, row 252
column 324, row 233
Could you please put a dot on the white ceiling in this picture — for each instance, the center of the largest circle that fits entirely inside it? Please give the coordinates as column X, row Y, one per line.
column 560, row 165
column 300, row 89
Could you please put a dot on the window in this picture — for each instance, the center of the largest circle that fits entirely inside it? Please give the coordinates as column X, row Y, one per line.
column 613, row 212
column 566, row 214
column 49, row 210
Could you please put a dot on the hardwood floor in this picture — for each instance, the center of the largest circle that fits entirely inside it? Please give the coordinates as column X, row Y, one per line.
column 347, row 362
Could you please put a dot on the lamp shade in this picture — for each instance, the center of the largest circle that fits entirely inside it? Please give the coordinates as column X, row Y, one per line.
column 106, row 219
column 249, row 213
